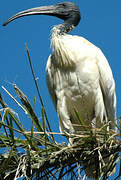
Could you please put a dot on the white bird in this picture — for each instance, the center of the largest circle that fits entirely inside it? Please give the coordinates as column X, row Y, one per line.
column 78, row 74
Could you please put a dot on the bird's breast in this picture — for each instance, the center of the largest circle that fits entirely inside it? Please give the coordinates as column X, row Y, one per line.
column 76, row 77
column 77, row 89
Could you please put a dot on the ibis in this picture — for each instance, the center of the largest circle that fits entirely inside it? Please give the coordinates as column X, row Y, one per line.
column 78, row 74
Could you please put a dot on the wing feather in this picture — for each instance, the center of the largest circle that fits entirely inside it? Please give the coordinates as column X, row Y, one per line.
column 108, row 87
column 50, row 80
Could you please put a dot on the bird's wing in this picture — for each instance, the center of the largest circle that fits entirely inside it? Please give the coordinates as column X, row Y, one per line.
column 50, row 80
column 108, row 87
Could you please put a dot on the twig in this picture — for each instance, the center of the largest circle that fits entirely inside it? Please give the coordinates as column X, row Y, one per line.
column 36, row 84
column 15, row 100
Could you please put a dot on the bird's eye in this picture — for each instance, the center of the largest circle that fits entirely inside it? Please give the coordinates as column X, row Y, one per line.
column 63, row 5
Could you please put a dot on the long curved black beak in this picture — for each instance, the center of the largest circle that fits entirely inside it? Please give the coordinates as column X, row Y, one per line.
column 45, row 10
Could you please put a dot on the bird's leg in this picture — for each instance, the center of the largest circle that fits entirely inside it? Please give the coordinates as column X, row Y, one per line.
column 93, row 124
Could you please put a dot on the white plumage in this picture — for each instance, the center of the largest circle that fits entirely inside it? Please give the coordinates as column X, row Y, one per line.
column 79, row 77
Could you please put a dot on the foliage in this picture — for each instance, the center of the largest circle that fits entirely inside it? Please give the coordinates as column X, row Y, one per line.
column 36, row 155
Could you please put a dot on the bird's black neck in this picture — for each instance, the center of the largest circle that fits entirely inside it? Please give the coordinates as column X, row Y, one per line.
column 62, row 29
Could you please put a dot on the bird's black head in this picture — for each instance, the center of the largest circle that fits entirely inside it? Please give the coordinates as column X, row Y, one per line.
column 67, row 11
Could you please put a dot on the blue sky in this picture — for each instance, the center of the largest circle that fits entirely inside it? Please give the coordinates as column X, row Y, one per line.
column 100, row 24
